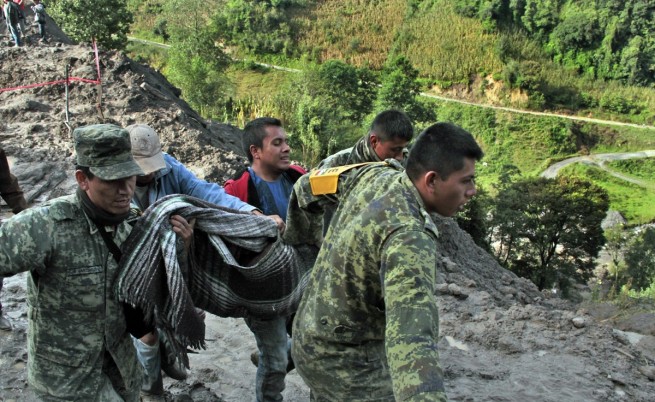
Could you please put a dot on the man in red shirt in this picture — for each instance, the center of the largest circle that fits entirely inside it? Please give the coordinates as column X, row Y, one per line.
column 267, row 185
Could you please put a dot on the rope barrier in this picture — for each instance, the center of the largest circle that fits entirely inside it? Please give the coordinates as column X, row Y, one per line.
column 57, row 82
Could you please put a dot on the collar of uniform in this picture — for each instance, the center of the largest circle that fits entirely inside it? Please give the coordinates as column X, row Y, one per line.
column 93, row 229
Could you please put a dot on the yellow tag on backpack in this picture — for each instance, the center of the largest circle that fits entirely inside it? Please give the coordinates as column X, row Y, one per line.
column 325, row 181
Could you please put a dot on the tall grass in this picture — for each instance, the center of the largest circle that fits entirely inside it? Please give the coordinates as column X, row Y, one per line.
column 356, row 31
column 447, row 47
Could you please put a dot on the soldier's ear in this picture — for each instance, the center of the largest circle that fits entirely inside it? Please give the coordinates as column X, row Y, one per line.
column 373, row 139
column 82, row 180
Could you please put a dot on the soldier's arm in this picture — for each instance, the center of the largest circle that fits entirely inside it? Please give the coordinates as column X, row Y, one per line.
column 25, row 241
column 12, row 194
column 408, row 273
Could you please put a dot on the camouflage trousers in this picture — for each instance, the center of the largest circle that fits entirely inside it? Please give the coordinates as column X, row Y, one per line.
column 107, row 393
column 343, row 372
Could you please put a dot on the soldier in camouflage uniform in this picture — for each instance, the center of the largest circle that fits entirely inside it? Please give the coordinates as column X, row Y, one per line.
column 13, row 196
column 367, row 327
column 79, row 348
column 388, row 137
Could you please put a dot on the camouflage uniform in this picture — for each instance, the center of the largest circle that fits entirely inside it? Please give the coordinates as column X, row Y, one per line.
column 361, row 152
column 77, row 328
column 367, row 327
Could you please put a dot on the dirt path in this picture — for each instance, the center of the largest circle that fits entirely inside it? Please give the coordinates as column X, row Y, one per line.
column 599, row 160
column 447, row 99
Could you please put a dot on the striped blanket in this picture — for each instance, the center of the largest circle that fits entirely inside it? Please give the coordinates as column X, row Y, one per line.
column 237, row 266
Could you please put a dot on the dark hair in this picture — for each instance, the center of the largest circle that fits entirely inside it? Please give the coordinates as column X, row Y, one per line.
column 392, row 124
column 86, row 170
column 254, row 133
column 442, row 148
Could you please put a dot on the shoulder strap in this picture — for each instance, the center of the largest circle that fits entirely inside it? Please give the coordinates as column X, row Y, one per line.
column 111, row 245
column 325, row 181
column 134, row 316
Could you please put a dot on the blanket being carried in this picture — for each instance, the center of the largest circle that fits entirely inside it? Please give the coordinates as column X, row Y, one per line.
column 237, row 266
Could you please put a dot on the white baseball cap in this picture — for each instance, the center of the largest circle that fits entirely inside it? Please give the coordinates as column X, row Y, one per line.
column 146, row 148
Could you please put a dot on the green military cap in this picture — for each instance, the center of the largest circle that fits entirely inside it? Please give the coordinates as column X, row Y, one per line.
column 107, row 150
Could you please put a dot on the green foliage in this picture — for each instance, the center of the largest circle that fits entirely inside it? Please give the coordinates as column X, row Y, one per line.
column 327, row 104
column 618, row 103
column 258, row 26
column 640, row 260
column 617, row 239
column 648, row 293
column 161, row 29
column 106, row 21
column 640, row 168
column 578, row 29
column 352, row 88
column 473, row 218
column 549, row 230
column 635, row 202
column 197, row 66
column 400, row 89
column 604, row 39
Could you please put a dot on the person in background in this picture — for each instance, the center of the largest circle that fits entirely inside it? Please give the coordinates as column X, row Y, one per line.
column 79, row 345
column 13, row 195
column 367, row 327
column 165, row 175
column 267, row 184
column 390, row 133
column 21, row 18
column 40, row 18
column 11, row 13
column 388, row 137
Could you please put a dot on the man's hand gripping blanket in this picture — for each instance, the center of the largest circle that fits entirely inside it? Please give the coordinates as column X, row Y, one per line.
column 237, row 266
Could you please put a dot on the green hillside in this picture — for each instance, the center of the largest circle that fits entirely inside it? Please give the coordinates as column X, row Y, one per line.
column 490, row 52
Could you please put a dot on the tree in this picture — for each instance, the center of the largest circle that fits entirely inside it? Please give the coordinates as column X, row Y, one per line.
column 473, row 218
column 401, row 90
column 352, row 88
column 106, row 21
column 616, row 241
column 640, row 259
column 260, row 26
column 548, row 230
column 196, row 64
column 328, row 104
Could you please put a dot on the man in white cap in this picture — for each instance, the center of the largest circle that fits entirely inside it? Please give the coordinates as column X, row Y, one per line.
column 165, row 175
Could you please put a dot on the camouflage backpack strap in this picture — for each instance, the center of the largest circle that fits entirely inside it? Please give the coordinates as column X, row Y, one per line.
column 325, row 181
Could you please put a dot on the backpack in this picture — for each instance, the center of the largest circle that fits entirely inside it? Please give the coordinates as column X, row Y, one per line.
column 13, row 13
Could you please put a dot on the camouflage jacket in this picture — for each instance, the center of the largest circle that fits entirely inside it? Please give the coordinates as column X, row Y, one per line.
column 374, row 279
column 361, row 152
column 75, row 321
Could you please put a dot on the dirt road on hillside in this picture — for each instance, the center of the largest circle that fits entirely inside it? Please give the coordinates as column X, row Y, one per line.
column 599, row 160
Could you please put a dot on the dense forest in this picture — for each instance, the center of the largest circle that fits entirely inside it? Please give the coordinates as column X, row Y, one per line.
column 346, row 60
